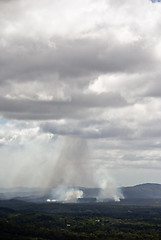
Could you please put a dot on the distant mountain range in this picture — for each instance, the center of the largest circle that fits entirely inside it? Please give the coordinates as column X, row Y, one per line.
column 142, row 191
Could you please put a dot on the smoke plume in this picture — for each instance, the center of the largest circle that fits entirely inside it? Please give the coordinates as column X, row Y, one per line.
column 64, row 193
column 109, row 189
column 74, row 168
column 62, row 164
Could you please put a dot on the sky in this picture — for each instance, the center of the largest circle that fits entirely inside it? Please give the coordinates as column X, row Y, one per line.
column 80, row 80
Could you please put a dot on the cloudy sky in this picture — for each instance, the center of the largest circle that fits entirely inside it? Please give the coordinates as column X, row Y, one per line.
column 82, row 74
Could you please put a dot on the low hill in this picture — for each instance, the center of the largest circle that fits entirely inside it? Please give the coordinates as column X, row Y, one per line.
column 143, row 191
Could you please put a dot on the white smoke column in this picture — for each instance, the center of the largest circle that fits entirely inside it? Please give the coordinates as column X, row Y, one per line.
column 58, row 193
column 56, row 163
column 72, row 167
column 64, row 193
column 109, row 189
column 73, row 195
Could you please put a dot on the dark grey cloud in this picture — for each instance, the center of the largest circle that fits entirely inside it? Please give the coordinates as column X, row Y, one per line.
column 71, row 64
column 154, row 87
column 77, row 107
column 90, row 129
column 24, row 59
column 68, row 62
column 89, row 71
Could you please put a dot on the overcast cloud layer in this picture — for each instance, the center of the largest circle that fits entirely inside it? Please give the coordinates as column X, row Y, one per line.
column 88, row 70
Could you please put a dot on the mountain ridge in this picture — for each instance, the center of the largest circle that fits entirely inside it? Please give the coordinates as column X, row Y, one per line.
column 139, row 191
column 145, row 190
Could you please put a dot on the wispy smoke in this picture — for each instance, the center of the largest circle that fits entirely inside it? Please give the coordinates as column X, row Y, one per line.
column 109, row 189
column 62, row 164
column 74, row 168
column 64, row 193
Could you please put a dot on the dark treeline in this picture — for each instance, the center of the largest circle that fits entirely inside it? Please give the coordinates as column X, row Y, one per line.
column 20, row 220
